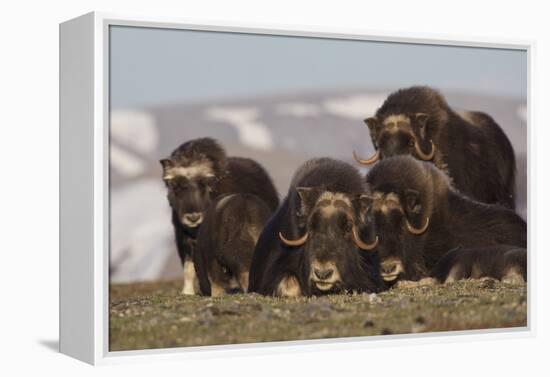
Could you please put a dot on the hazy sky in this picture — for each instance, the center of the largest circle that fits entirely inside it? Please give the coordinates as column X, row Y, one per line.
column 159, row 66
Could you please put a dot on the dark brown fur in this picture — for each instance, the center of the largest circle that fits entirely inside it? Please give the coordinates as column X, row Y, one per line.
column 473, row 149
column 194, row 195
column 226, row 242
column 423, row 192
column 500, row 262
column 329, row 235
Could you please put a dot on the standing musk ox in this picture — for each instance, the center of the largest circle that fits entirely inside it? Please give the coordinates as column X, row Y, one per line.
column 196, row 173
column 318, row 242
column 470, row 147
column 419, row 216
column 226, row 241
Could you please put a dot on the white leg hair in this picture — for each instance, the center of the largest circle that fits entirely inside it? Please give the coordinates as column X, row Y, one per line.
column 190, row 280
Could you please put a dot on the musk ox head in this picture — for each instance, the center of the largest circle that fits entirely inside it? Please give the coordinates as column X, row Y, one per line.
column 232, row 227
column 409, row 122
column 394, row 217
column 191, row 175
column 336, row 241
column 400, row 134
column 404, row 192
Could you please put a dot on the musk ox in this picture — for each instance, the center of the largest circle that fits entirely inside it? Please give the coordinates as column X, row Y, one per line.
column 318, row 241
column 470, row 146
column 419, row 216
column 503, row 262
column 196, row 173
column 226, row 241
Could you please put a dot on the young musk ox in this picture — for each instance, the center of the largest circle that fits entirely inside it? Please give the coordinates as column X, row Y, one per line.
column 317, row 242
column 470, row 147
column 196, row 173
column 226, row 241
column 419, row 216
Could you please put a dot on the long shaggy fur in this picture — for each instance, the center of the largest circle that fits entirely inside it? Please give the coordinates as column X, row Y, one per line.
column 471, row 147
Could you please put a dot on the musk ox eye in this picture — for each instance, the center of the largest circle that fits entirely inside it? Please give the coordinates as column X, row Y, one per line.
column 411, row 143
column 226, row 271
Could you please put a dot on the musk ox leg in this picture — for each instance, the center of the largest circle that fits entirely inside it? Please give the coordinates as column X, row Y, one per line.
column 456, row 273
column 289, row 287
column 190, row 280
column 513, row 275
column 507, row 263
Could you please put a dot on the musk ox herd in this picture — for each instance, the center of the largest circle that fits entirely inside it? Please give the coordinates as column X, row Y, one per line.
column 437, row 202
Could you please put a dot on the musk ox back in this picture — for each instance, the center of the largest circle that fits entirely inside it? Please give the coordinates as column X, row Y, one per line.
column 195, row 174
column 319, row 241
column 469, row 146
column 226, row 242
column 419, row 216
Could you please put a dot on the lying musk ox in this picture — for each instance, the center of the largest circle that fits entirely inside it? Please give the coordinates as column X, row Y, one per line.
column 419, row 216
column 196, row 173
column 470, row 147
column 317, row 242
column 226, row 241
column 503, row 262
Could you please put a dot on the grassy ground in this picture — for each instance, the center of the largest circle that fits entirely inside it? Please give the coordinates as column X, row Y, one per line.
column 155, row 315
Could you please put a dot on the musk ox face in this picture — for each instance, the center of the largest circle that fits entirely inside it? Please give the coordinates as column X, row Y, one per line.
column 189, row 189
column 191, row 174
column 400, row 134
column 228, row 274
column 332, row 241
column 394, row 216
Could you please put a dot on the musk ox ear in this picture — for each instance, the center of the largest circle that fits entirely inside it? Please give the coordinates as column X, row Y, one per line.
column 371, row 122
column 308, row 196
column 167, row 165
column 413, row 205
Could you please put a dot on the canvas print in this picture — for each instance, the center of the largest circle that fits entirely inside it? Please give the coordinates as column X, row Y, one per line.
column 269, row 188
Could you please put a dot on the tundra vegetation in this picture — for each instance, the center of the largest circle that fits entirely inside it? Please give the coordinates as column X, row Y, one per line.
column 156, row 315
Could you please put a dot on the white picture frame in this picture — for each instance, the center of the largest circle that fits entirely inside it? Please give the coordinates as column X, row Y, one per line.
column 84, row 190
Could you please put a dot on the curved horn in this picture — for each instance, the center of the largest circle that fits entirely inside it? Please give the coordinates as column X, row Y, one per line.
column 298, row 242
column 375, row 157
column 362, row 245
column 422, row 155
column 417, row 231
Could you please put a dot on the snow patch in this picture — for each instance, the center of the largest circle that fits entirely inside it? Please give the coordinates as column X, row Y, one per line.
column 354, row 107
column 125, row 162
column 141, row 231
column 252, row 132
column 134, row 129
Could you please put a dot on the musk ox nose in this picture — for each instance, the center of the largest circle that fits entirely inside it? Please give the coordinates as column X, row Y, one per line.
column 391, row 268
column 192, row 219
column 323, row 274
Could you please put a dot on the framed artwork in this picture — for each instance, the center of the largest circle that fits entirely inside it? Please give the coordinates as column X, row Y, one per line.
column 234, row 189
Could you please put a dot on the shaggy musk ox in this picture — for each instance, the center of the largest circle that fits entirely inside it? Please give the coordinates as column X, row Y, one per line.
column 470, row 147
column 196, row 173
column 419, row 216
column 226, row 242
column 318, row 242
